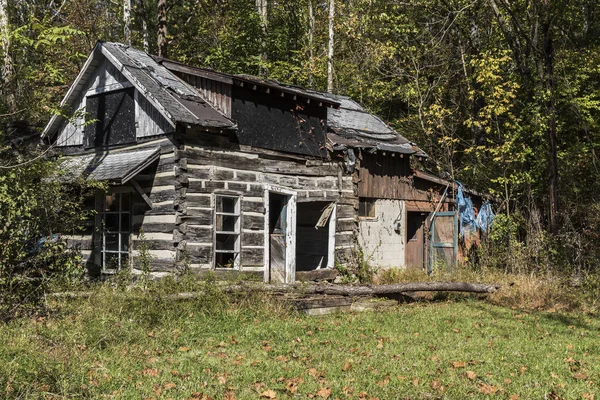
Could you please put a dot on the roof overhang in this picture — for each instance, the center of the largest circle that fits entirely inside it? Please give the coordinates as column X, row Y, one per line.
column 114, row 167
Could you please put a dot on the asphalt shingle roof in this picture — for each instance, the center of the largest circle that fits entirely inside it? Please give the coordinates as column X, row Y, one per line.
column 116, row 167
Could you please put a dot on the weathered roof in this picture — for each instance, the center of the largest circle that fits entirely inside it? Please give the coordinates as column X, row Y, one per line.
column 117, row 167
column 241, row 79
column 351, row 126
column 175, row 100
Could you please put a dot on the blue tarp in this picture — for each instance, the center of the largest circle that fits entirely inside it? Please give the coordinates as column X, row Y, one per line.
column 466, row 213
column 467, row 221
column 485, row 216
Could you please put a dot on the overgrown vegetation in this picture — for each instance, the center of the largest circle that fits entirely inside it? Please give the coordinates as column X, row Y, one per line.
column 137, row 343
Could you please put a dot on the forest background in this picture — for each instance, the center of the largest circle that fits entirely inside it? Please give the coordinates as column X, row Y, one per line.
column 503, row 95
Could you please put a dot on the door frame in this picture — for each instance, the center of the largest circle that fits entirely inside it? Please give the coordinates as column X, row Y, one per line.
column 290, row 233
column 452, row 245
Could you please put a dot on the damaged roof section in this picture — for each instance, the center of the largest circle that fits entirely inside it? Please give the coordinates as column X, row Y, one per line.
column 352, row 126
column 165, row 87
column 118, row 167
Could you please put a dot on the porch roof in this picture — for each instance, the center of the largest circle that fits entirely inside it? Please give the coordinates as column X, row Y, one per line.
column 116, row 167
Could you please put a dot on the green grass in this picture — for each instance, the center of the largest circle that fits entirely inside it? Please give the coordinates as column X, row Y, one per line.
column 137, row 345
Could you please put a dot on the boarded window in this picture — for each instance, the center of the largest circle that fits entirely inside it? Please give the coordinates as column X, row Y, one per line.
column 227, row 231
column 111, row 119
column 366, row 207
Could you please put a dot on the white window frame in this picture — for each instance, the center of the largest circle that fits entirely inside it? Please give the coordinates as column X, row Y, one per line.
column 120, row 232
column 237, row 232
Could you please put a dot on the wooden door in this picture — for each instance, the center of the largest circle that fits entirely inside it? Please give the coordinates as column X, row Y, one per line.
column 415, row 239
column 277, row 237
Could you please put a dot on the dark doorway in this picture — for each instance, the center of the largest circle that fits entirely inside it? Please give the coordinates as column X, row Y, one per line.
column 415, row 239
column 312, row 244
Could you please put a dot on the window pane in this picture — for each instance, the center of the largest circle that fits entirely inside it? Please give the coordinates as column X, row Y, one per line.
column 111, row 222
column 226, row 204
column 125, row 242
column 125, row 222
column 226, row 223
column 226, row 242
column 125, row 200
column 124, row 260
column 225, row 260
column 111, row 261
column 112, row 202
column 111, row 242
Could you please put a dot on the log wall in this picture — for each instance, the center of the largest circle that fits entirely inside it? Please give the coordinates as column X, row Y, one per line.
column 209, row 165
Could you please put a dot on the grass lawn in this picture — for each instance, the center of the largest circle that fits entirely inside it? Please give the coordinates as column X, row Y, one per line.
column 137, row 346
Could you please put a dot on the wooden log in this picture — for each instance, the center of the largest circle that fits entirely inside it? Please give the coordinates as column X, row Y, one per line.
column 325, row 274
column 353, row 290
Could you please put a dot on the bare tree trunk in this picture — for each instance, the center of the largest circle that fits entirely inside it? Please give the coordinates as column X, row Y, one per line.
column 162, row 32
column 262, row 9
column 145, row 36
column 330, row 47
column 548, row 85
column 127, row 22
column 311, row 56
column 7, row 66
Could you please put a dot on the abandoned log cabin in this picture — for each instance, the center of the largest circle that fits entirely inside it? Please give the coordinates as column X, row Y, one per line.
column 233, row 172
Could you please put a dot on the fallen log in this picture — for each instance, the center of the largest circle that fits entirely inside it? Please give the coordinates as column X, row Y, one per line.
column 355, row 290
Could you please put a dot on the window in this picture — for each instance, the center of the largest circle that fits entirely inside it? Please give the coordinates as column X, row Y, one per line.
column 115, row 217
column 366, row 207
column 113, row 116
column 227, row 231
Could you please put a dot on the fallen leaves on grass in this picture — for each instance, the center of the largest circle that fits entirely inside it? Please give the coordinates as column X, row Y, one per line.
column 471, row 375
column 268, row 394
column 150, row 372
column 324, row 393
column 488, row 389
column 458, row 364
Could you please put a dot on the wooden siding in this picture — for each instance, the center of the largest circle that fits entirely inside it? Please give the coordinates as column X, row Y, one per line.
column 217, row 94
column 382, row 176
column 149, row 120
column 71, row 133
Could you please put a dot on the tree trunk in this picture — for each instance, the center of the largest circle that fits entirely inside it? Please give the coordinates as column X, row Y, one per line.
column 356, row 290
column 311, row 33
column 127, row 22
column 161, row 39
column 550, row 110
column 7, row 72
column 262, row 10
column 330, row 47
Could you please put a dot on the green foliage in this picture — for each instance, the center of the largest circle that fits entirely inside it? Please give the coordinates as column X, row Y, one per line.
column 143, row 257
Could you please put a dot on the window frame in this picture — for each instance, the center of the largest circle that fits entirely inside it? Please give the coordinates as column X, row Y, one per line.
column 236, row 234
column 120, row 232
column 367, row 201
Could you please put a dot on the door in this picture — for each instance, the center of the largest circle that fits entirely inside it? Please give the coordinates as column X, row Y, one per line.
column 443, row 241
column 278, row 209
column 415, row 239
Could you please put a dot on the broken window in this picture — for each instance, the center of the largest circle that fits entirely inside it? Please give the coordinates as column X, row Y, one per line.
column 366, row 207
column 227, row 231
column 111, row 118
column 115, row 216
